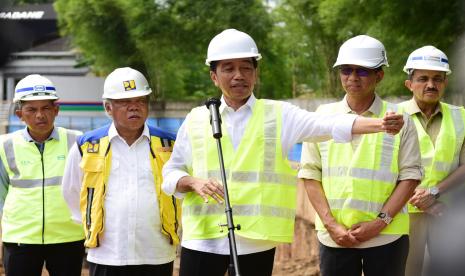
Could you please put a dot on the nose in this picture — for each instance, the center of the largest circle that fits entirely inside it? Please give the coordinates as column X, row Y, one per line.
column 430, row 83
column 133, row 106
column 353, row 75
column 40, row 114
column 238, row 74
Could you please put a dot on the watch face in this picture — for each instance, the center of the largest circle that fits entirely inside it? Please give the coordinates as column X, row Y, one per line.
column 434, row 190
column 385, row 217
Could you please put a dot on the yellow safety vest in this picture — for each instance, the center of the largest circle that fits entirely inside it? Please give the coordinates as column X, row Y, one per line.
column 442, row 158
column 35, row 211
column 358, row 182
column 262, row 185
column 96, row 165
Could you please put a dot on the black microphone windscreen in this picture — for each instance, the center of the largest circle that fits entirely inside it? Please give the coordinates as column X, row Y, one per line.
column 211, row 101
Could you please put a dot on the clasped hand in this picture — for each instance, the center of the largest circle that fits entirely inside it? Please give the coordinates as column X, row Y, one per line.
column 358, row 233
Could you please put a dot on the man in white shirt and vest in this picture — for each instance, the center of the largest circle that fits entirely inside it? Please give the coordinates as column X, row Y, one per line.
column 112, row 184
column 360, row 189
column 36, row 223
column 441, row 134
column 257, row 136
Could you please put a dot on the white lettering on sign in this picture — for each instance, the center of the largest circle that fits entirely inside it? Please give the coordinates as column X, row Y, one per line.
column 22, row 15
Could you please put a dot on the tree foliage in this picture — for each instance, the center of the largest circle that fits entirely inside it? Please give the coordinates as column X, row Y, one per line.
column 299, row 39
column 167, row 40
column 401, row 26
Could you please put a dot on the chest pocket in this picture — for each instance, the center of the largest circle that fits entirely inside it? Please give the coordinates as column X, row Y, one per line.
column 92, row 167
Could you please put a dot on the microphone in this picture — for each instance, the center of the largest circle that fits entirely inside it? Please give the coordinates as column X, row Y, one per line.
column 215, row 119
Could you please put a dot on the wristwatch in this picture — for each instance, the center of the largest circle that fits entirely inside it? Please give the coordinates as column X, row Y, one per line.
column 434, row 191
column 385, row 217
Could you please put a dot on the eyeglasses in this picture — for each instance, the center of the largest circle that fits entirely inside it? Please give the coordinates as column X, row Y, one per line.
column 361, row 72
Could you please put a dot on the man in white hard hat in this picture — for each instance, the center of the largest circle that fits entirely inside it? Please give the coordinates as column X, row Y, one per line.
column 441, row 134
column 112, row 184
column 257, row 137
column 36, row 223
column 359, row 189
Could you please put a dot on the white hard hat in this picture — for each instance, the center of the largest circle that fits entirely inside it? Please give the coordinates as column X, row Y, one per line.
column 362, row 50
column 125, row 83
column 230, row 44
column 34, row 88
column 427, row 58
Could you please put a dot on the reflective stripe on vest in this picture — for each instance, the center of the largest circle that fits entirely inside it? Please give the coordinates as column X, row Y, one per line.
column 240, row 210
column 34, row 197
column 261, row 184
column 31, row 183
column 442, row 158
column 357, row 182
column 253, row 177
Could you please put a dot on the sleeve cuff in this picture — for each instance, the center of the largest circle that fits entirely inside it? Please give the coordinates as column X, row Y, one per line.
column 170, row 183
column 342, row 129
column 309, row 174
column 411, row 173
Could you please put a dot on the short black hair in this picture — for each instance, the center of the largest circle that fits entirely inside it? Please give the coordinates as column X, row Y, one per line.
column 214, row 64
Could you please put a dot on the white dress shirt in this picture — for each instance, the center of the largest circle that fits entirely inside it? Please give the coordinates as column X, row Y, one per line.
column 132, row 222
column 297, row 126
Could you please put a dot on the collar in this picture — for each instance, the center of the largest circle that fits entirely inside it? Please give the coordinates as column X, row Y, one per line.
column 375, row 107
column 249, row 104
column 53, row 135
column 411, row 107
column 112, row 132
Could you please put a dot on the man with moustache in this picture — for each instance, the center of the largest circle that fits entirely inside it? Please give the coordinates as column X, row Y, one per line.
column 441, row 134
column 112, row 183
column 359, row 189
column 257, row 136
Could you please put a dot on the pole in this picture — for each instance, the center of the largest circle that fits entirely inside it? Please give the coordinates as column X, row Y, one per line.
column 213, row 104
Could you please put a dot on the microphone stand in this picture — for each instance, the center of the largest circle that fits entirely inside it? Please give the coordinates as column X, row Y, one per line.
column 215, row 120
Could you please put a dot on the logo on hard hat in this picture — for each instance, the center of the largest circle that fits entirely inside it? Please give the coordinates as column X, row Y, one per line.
column 129, row 85
column 39, row 88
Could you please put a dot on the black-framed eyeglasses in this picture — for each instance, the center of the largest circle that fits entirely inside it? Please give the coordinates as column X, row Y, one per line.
column 361, row 72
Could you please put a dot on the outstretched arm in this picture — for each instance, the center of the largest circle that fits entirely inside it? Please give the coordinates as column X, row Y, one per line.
column 303, row 126
column 391, row 123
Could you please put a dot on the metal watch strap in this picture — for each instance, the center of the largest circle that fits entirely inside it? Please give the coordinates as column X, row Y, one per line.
column 385, row 218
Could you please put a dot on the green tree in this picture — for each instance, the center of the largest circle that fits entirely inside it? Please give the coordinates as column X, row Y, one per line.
column 310, row 48
column 323, row 25
column 167, row 40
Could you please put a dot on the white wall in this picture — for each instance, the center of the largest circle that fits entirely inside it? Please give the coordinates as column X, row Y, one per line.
column 78, row 89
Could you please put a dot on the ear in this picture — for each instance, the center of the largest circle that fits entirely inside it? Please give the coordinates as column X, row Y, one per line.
column 57, row 108
column 214, row 78
column 379, row 75
column 19, row 114
column 108, row 109
column 408, row 84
